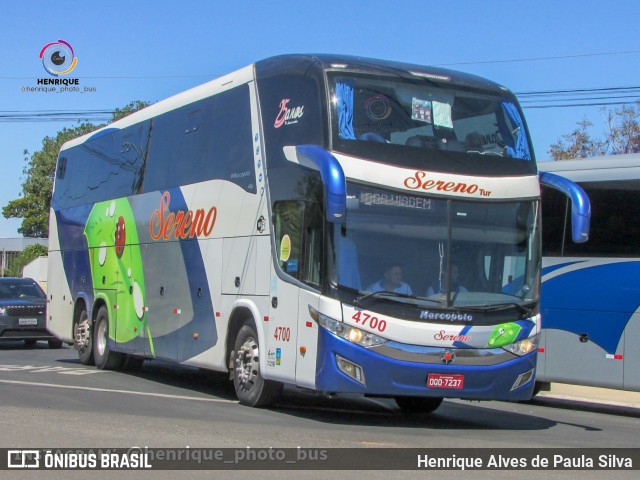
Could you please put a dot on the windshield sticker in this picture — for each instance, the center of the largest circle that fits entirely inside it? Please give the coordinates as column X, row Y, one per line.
column 287, row 115
column 442, row 115
column 421, row 110
column 504, row 334
column 285, row 248
column 292, row 266
column 378, row 107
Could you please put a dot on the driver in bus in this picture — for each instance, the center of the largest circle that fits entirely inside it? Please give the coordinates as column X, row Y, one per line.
column 391, row 281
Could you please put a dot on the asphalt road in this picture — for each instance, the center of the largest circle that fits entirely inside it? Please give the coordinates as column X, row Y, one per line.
column 47, row 399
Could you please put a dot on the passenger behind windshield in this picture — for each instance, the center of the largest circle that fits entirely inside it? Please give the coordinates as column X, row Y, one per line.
column 443, row 282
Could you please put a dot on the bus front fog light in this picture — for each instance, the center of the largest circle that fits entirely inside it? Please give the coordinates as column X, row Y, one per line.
column 350, row 369
column 523, row 379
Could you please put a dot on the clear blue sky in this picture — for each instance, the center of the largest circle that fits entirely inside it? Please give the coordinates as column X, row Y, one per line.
column 149, row 50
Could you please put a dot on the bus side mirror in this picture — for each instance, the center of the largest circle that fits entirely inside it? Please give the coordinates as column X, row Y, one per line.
column 333, row 178
column 580, row 205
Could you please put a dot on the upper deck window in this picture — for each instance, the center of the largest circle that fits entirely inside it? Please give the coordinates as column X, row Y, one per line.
column 419, row 115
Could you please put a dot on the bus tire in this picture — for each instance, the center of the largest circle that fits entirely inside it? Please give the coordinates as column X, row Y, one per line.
column 414, row 405
column 83, row 338
column 251, row 388
column 105, row 359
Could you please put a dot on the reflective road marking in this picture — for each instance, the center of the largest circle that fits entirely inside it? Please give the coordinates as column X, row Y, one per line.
column 130, row 392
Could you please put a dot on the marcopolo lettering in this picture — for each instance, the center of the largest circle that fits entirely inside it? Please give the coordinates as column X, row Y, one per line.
column 419, row 181
column 446, row 316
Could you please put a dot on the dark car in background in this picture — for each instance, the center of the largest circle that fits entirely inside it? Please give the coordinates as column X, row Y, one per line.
column 23, row 308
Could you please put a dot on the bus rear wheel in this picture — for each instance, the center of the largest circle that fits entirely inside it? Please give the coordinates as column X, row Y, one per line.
column 251, row 388
column 105, row 359
column 414, row 405
column 83, row 338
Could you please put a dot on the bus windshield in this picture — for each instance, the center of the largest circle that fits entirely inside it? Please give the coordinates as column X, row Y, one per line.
column 415, row 116
column 438, row 252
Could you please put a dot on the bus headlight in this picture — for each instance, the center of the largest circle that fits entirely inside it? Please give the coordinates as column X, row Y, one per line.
column 349, row 333
column 524, row 346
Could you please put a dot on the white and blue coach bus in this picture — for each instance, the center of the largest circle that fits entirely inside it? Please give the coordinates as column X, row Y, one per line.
column 591, row 291
column 333, row 223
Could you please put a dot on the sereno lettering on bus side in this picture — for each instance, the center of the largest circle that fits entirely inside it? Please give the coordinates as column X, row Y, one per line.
column 419, row 182
column 180, row 224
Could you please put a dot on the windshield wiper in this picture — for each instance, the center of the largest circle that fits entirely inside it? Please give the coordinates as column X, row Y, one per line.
column 496, row 307
column 386, row 294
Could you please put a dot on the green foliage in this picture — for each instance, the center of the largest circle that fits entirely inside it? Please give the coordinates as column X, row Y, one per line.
column 35, row 199
column 622, row 136
column 624, row 130
column 577, row 144
column 30, row 253
column 128, row 109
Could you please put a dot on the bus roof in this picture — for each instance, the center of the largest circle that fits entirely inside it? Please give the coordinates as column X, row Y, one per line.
column 184, row 98
column 375, row 66
column 291, row 63
column 608, row 167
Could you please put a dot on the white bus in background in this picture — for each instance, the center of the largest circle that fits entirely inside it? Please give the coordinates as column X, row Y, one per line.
column 252, row 224
column 591, row 291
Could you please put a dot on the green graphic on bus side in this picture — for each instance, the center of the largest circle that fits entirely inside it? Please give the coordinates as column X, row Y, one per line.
column 116, row 264
column 504, row 334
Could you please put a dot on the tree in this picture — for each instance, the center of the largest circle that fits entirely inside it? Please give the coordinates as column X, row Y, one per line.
column 624, row 130
column 31, row 252
column 577, row 144
column 622, row 136
column 35, row 199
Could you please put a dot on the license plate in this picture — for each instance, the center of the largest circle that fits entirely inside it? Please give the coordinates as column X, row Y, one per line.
column 442, row 380
column 27, row 321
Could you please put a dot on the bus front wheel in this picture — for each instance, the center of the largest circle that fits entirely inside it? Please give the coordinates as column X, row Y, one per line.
column 251, row 388
column 413, row 405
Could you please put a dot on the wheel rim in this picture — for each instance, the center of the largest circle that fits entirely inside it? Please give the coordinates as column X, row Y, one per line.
column 101, row 338
column 83, row 335
column 247, row 364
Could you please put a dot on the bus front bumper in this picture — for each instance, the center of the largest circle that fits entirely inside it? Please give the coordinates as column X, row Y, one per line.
column 472, row 374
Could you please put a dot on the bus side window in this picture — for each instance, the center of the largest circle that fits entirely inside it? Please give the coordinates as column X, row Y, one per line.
column 313, row 242
column 299, row 237
column 288, row 219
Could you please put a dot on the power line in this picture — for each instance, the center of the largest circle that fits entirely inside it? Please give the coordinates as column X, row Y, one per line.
column 538, row 99
column 475, row 62
column 580, row 97
column 568, row 105
column 537, row 59
column 608, row 97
